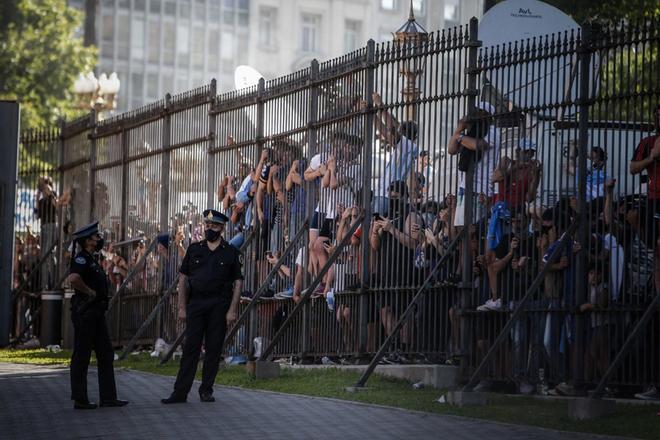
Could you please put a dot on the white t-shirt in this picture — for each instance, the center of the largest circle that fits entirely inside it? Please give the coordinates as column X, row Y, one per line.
column 324, row 193
column 484, row 168
column 346, row 192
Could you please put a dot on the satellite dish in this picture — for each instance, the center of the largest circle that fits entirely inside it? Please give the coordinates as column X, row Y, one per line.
column 515, row 20
column 246, row 76
column 535, row 83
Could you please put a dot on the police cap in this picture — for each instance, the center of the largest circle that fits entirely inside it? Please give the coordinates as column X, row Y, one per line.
column 86, row 231
column 213, row 216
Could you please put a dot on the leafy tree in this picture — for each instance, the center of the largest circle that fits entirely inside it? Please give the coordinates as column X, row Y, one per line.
column 40, row 58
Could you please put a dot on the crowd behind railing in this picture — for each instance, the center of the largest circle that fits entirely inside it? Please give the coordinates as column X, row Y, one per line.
column 406, row 181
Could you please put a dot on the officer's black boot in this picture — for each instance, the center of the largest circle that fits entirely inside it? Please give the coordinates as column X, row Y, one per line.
column 82, row 404
column 173, row 399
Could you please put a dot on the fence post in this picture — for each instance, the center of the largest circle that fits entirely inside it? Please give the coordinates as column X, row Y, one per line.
column 59, row 270
column 466, row 285
column 165, row 167
column 365, row 273
column 92, row 164
column 210, row 158
column 124, row 216
column 253, row 328
column 584, row 60
column 166, row 133
column 312, row 141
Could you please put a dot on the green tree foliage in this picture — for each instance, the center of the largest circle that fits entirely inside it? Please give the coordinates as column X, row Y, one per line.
column 40, row 58
column 626, row 34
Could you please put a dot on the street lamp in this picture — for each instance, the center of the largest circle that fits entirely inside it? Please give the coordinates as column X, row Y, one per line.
column 99, row 94
column 411, row 38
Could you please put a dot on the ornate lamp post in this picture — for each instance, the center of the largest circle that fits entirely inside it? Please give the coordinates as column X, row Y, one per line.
column 411, row 37
column 99, row 94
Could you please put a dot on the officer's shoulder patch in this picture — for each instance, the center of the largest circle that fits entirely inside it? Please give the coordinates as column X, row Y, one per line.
column 80, row 260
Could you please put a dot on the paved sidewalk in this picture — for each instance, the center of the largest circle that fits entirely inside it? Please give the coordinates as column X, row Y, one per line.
column 34, row 405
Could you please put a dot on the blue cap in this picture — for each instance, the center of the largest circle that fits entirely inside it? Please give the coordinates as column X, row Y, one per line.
column 213, row 216
column 86, row 231
column 164, row 239
column 527, row 145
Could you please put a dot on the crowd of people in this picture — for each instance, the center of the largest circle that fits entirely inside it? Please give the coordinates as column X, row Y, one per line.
column 511, row 232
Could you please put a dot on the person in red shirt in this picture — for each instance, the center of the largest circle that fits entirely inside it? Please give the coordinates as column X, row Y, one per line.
column 647, row 158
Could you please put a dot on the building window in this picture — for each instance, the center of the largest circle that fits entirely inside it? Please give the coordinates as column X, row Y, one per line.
column 214, row 50
column 267, row 26
column 168, row 84
column 419, row 7
column 154, row 42
column 139, row 5
column 388, row 5
column 124, row 4
column 154, row 6
column 228, row 11
column 214, row 13
column 181, row 83
column 168, row 44
column 108, row 28
column 310, row 30
column 198, row 47
column 152, row 86
column 451, row 13
column 137, row 89
column 123, row 32
column 227, row 45
column 352, row 36
column 183, row 46
column 200, row 10
column 137, row 39
column 170, row 8
column 243, row 12
column 184, row 8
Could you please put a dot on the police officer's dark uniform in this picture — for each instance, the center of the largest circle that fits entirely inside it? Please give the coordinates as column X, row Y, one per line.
column 211, row 275
column 90, row 329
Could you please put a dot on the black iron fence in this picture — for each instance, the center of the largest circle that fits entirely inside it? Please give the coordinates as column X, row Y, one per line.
column 400, row 146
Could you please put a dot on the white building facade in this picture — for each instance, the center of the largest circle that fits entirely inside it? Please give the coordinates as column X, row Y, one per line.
column 161, row 46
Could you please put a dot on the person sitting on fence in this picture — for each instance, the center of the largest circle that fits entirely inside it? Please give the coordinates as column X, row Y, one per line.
column 400, row 140
column 228, row 186
column 476, row 141
column 295, row 190
column 344, row 179
column 596, row 178
column 518, row 179
column 647, row 158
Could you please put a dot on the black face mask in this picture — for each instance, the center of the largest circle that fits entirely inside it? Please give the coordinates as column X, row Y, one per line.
column 99, row 245
column 545, row 229
column 211, row 235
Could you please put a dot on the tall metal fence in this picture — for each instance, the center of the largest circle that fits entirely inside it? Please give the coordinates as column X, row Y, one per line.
column 377, row 161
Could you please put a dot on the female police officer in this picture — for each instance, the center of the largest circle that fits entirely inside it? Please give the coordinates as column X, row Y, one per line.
column 209, row 291
column 88, row 306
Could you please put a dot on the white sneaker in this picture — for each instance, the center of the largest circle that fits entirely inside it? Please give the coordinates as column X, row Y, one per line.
column 491, row 305
column 650, row 394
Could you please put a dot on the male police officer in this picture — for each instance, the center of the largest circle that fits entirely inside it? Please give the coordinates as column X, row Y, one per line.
column 207, row 304
column 88, row 306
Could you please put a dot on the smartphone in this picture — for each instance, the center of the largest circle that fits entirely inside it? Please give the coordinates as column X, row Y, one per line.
column 377, row 216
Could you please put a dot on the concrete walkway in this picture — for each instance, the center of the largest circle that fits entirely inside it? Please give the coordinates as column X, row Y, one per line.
column 34, row 405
